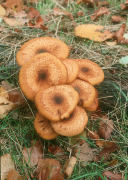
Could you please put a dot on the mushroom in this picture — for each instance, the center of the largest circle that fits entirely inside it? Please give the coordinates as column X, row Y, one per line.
column 95, row 103
column 90, row 71
column 86, row 92
column 56, row 102
column 72, row 69
column 43, row 71
column 39, row 45
column 73, row 125
column 44, row 128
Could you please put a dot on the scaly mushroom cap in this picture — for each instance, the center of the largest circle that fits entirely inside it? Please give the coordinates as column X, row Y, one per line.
column 44, row 128
column 86, row 92
column 95, row 103
column 56, row 102
column 42, row 71
column 72, row 69
column 90, row 71
column 42, row 44
column 73, row 125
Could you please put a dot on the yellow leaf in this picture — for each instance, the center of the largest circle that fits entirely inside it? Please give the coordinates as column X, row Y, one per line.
column 93, row 32
column 2, row 11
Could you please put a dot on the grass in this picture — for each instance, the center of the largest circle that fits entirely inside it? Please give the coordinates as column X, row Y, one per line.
column 17, row 129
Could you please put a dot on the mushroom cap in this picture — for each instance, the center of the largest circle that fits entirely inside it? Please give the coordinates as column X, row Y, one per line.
column 42, row 44
column 72, row 69
column 95, row 103
column 56, row 102
column 86, row 92
column 44, row 128
column 90, row 71
column 73, row 125
column 42, row 71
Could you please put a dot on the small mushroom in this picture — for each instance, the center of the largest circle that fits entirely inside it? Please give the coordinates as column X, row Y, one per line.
column 90, row 71
column 39, row 45
column 44, row 128
column 95, row 103
column 86, row 92
column 42, row 71
column 73, row 125
column 56, row 102
column 72, row 69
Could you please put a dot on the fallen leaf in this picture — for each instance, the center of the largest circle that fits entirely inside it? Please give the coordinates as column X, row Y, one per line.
column 33, row 13
column 84, row 153
column 14, row 175
column 124, row 6
column 2, row 11
column 93, row 135
column 80, row 13
column 100, row 12
column 119, row 35
column 33, row 154
column 117, row 19
column 112, row 176
column 124, row 60
column 57, row 151
column 6, row 165
column 15, row 21
column 105, row 128
column 103, row 3
column 93, row 32
column 5, row 104
column 111, row 43
column 49, row 169
column 91, row 3
column 109, row 148
column 16, row 5
column 14, row 95
column 69, row 166
column 58, row 12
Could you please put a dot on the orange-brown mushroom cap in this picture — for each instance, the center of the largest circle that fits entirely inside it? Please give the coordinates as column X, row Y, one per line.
column 44, row 128
column 86, row 92
column 72, row 69
column 90, row 71
column 56, row 102
column 95, row 104
column 73, row 125
column 42, row 44
column 42, row 71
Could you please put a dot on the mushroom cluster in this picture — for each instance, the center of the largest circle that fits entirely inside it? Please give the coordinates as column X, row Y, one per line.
column 62, row 88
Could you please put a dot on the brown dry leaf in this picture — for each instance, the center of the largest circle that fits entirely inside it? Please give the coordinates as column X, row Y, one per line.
column 2, row 11
column 69, row 166
column 58, row 12
column 112, row 176
column 119, row 35
column 15, row 21
column 6, row 165
column 33, row 154
column 109, row 148
column 49, row 169
column 57, row 151
column 100, row 12
column 16, row 5
column 91, row 3
column 117, row 19
column 124, row 6
column 80, row 13
column 93, row 135
column 93, row 32
column 33, row 13
column 103, row 3
column 5, row 104
column 105, row 128
column 14, row 175
column 84, row 153
column 111, row 43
